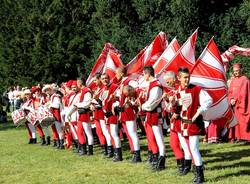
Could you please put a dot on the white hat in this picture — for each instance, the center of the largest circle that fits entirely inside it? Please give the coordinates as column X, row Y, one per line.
column 47, row 86
column 54, row 87
column 27, row 91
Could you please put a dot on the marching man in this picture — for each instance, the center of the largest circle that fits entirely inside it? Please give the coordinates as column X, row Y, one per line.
column 194, row 101
column 152, row 106
column 98, row 115
column 107, row 98
column 177, row 141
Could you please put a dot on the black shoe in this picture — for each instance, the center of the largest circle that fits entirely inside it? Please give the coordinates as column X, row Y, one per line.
column 55, row 143
column 195, row 173
column 82, row 149
column 160, row 164
column 200, row 175
column 187, row 167
column 75, row 144
column 61, row 142
column 118, row 155
column 136, row 157
column 43, row 142
column 48, row 140
column 110, row 152
column 154, row 160
column 90, row 150
column 180, row 165
column 150, row 157
column 105, row 150
column 30, row 141
column 34, row 141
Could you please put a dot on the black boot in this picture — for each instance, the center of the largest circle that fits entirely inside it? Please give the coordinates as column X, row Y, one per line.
column 55, row 143
column 150, row 157
column 30, row 141
column 61, row 142
column 43, row 142
column 187, row 167
column 90, row 150
column 118, row 155
column 195, row 173
column 136, row 157
column 160, row 164
column 82, row 149
column 154, row 160
column 110, row 152
column 180, row 165
column 34, row 141
column 48, row 140
column 200, row 175
column 105, row 150
column 75, row 146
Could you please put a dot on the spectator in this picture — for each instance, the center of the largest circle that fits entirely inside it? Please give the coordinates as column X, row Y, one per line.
column 3, row 115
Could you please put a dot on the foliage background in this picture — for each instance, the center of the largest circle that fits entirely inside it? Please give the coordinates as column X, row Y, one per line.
column 56, row 40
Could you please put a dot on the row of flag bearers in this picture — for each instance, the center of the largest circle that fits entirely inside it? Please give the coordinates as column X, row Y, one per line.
column 123, row 103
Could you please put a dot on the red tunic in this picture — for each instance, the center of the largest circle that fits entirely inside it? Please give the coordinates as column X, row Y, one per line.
column 98, row 113
column 191, row 100
column 108, row 101
column 239, row 90
column 152, row 117
column 84, row 117
column 128, row 114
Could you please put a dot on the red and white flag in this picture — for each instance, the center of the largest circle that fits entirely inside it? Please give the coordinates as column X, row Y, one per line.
column 98, row 67
column 163, row 60
column 209, row 73
column 148, row 55
column 185, row 57
column 113, row 62
column 229, row 54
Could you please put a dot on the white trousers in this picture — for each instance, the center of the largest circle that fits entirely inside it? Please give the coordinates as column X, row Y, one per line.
column 88, row 132
column 115, row 135
column 106, row 132
column 184, row 146
column 194, row 148
column 157, row 129
column 59, row 129
column 73, row 129
column 132, row 131
column 32, row 130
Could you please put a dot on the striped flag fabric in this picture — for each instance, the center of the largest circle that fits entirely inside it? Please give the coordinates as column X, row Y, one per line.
column 209, row 73
column 148, row 55
column 99, row 65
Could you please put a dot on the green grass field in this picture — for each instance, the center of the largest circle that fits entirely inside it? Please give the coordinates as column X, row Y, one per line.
column 23, row 163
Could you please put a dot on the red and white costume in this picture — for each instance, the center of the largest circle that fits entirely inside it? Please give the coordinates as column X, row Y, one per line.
column 98, row 115
column 153, row 122
column 193, row 99
column 107, row 98
column 55, row 107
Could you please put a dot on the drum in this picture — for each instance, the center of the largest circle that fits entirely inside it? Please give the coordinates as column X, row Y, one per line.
column 18, row 117
column 45, row 117
column 33, row 117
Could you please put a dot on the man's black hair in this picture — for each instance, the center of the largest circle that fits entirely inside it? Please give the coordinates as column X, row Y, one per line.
column 150, row 70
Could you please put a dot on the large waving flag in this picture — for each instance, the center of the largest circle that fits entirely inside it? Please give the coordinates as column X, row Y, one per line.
column 209, row 73
column 185, row 57
column 164, row 59
column 113, row 62
column 98, row 67
column 229, row 54
column 148, row 55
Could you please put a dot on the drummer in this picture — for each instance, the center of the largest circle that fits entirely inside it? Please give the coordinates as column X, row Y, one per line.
column 27, row 107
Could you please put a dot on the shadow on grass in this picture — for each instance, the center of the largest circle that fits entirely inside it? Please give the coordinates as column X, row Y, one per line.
column 9, row 125
column 233, row 174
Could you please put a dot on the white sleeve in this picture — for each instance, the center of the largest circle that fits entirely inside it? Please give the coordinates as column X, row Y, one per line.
column 86, row 101
column 133, row 83
column 56, row 102
column 205, row 101
column 153, row 100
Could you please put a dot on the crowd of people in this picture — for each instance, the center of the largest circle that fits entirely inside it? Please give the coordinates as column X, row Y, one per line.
column 123, row 105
